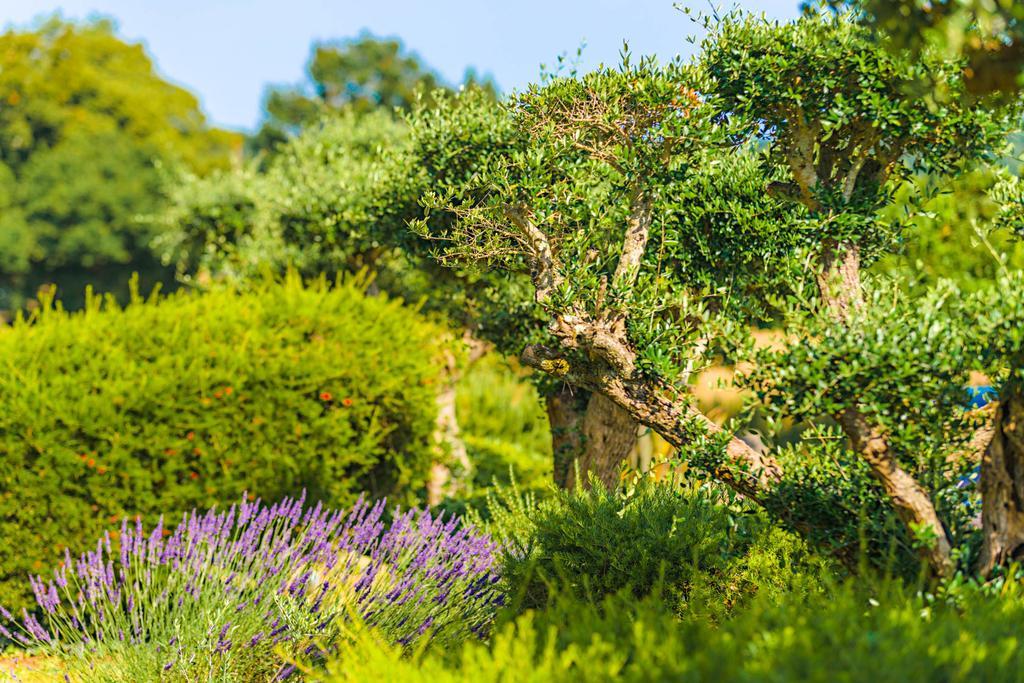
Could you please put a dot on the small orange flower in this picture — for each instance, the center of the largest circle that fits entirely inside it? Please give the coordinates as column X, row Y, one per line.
column 194, row 475
column 190, row 436
column 197, row 451
column 218, row 394
column 170, row 451
column 347, row 402
column 325, row 396
column 101, row 470
column 228, row 391
column 90, row 462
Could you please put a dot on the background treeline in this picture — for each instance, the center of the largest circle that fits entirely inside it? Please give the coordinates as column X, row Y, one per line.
column 92, row 138
column 87, row 131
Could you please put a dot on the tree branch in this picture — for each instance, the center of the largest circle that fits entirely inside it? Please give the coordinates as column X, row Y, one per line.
column 657, row 406
column 638, row 232
column 912, row 502
column 544, row 265
column 839, row 284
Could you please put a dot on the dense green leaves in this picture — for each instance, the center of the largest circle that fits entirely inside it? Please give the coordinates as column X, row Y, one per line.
column 586, row 156
column 694, row 549
column 191, row 400
column 854, row 634
column 839, row 110
column 987, row 35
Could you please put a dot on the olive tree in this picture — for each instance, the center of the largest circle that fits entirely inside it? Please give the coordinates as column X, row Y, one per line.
column 660, row 211
column 986, row 41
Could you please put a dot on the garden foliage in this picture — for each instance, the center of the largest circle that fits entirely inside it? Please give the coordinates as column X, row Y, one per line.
column 184, row 401
column 880, row 635
column 695, row 547
column 503, row 426
column 661, row 211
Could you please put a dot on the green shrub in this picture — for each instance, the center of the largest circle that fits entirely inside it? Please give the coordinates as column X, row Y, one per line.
column 190, row 400
column 850, row 634
column 692, row 546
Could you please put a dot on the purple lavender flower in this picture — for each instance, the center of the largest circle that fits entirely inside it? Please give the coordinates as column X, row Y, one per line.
column 290, row 572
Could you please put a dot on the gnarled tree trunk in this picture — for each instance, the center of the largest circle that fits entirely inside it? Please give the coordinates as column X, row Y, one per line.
column 1002, row 485
column 590, row 434
column 609, row 434
column 565, row 417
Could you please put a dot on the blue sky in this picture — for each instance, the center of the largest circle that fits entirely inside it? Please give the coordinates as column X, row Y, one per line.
column 228, row 50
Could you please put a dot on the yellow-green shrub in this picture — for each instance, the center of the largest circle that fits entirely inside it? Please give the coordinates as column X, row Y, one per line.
column 190, row 400
column 849, row 634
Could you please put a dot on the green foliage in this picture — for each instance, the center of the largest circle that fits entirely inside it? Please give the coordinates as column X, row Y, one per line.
column 834, row 107
column 829, row 495
column 190, row 400
column 692, row 547
column 577, row 159
column 850, row 633
column 906, row 361
column 85, row 121
column 322, row 203
column 987, row 36
column 338, row 198
column 962, row 230
column 893, row 348
column 363, row 74
column 503, row 425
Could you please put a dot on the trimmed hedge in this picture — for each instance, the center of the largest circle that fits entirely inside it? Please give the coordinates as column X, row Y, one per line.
column 190, row 400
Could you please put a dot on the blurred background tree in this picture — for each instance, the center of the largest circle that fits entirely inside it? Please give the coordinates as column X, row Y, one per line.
column 360, row 75
column 86, row 123
column 987, row 35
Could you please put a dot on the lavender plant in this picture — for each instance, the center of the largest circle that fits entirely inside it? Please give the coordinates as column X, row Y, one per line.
column 234, row 594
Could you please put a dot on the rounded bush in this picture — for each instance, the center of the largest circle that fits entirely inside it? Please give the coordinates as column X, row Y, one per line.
column 190, row 400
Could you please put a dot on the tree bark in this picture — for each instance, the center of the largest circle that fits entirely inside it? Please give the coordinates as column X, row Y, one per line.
column 609, row 434
column 667, row 412
column 447, row 440
column 839, row 279
column 840, row 288
column 589, row 433
column 1002, row 485
column 565, row 417
column 912, row 502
